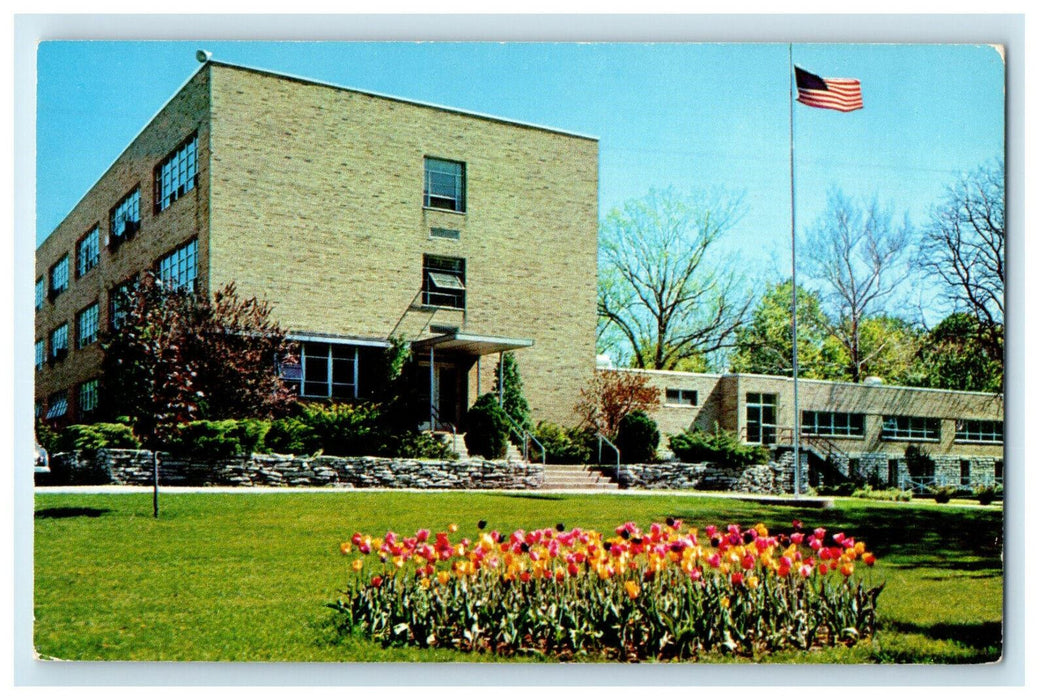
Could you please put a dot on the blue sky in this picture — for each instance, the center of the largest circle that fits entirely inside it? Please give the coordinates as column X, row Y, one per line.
column 667, row 115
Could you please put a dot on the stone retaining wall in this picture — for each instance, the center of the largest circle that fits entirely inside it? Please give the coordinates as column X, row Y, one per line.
column 135, row 467
column 770, row 478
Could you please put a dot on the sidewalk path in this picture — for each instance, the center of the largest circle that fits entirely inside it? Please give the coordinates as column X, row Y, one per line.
column 112, row 489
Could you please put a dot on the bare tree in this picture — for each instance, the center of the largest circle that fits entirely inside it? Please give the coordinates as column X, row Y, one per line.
column 964, row 246
column 860, row 255
column 661, row 293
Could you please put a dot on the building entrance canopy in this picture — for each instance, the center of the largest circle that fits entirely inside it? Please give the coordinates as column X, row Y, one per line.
column 469, row 344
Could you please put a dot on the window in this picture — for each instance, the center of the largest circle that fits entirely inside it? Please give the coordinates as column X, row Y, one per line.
column 761, row 418
column 444, row 184
column 60, row 342
column 832, row 424
column 681, row 397
column 448, row 233
column 175, row 175
column 979, row 431
column 329, row 370
column 118, row 301
column 59, row 277
column 125, row 218
column 964, row 472
column 443, row 282
column 911, row 428
column 40, row 293
column 87, row 398
column 87, row 252
column 178, row 270
column 998, row 471
column 57, row 405
column 40, row 352
column 87, row 326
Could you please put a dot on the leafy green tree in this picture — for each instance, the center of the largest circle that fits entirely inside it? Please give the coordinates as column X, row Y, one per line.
column 663, row 293
column 764, row 344
column 952, row 356
column 509, row 382
column 889, row 348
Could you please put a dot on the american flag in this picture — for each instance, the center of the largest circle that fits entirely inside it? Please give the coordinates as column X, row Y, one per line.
column 840, row 94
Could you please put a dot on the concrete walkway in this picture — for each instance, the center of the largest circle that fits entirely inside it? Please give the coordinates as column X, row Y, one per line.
column 805, row 502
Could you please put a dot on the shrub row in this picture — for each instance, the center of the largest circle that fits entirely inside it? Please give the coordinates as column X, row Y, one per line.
column 338, row 429
column 718, row 446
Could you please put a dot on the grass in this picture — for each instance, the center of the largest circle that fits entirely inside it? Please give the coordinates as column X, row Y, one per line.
column 244, row 577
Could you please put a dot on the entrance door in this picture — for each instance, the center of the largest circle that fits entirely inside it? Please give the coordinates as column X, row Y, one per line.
column 762, row 418
column 447, row 381
column 445, row 385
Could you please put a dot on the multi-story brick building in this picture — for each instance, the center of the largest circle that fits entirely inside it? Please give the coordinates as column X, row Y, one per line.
column 360, row 217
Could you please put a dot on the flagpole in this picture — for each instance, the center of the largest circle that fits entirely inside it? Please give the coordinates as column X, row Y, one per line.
column 795, row 337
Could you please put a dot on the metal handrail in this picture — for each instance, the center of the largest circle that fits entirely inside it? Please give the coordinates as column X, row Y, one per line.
column 526, row 437
column 436, row 424
column 617, row 453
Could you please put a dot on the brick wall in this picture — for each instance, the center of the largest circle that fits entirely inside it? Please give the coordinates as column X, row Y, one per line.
column 317, row 206
column 159, row 233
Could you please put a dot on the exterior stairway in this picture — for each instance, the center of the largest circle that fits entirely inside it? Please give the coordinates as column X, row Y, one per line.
column 456, row 442
column 563, row 477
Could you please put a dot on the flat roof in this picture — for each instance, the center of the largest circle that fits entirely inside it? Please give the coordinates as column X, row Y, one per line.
column 802, row 380
column 394, row 98
column 310, row 81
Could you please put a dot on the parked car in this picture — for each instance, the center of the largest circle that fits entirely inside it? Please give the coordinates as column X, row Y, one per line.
column 43, row 462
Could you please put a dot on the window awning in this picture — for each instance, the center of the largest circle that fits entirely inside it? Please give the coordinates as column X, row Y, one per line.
column 444, row 280
column 58, row 408
column 469, row 344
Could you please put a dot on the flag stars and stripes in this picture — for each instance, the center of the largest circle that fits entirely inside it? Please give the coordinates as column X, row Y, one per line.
column 840, row 94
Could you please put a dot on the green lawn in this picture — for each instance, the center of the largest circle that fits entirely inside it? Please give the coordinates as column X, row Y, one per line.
column 244, row 577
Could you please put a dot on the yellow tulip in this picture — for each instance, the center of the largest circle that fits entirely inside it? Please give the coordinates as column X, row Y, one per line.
column 632, row 589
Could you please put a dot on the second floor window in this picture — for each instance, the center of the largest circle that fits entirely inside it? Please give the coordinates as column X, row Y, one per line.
column 125, row 218
column 58, row 277
column 87, row 326
column 87, row 253
column 911, row 428
column 979, row 431
column 118, row 302
column 443, row 282
column 40, row 293
column 832, row 424
column 681, row 397
column 41, row 354
column 60, row 342
column 444, row 184
column 178, row 270
column 175, row 175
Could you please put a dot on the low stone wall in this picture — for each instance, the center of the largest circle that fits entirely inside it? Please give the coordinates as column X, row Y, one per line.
column 135, row 467
column 770, row 478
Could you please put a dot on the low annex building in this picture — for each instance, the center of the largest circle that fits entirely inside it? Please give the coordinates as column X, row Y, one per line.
column 361, row 217
column 847, row 430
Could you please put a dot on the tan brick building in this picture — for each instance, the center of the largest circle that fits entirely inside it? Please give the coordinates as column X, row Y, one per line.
column 847, row 430
column 361, row 217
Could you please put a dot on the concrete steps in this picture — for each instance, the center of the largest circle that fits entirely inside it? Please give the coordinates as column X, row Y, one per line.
column 565, row 477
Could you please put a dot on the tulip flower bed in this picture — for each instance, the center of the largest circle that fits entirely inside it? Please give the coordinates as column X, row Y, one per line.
column 669, row 592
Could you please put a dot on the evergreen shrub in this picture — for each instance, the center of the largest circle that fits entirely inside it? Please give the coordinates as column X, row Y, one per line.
column 638, row 438
column 486, row 430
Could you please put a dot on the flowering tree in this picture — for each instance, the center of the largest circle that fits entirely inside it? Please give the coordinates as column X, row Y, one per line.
column 173, row 356
column 611, row 395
